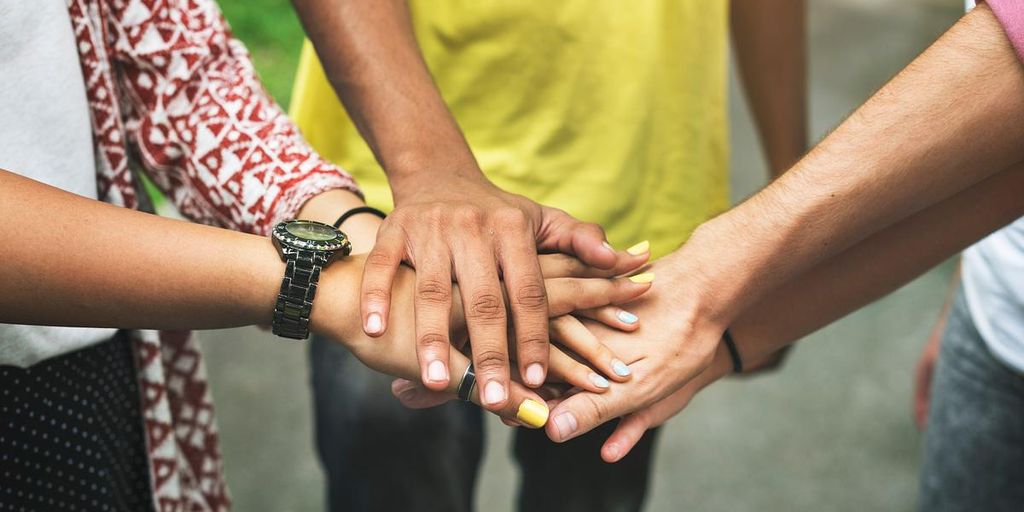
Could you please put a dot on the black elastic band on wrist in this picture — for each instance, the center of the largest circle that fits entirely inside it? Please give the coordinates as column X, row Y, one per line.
column 467, row 383
column 356, row 211
column 734, row 354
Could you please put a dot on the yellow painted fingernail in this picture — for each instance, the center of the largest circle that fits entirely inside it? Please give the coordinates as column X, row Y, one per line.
column 639, row 248
column 532, row 414
column 646, row 277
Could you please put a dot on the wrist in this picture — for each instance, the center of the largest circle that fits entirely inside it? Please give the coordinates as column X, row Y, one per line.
column 335, row 312
column 426, row 178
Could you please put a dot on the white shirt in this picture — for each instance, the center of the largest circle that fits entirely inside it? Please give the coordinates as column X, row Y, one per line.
column 46, row 135
column 993, row 276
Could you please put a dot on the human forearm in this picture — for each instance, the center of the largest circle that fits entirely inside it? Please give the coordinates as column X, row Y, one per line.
column 79, row 262
column 951, row 119
column 879, row 264
column 769, row 40
column 372, row 59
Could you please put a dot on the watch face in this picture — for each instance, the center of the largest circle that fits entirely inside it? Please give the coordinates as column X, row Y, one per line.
column 315, row 232
column 311, row 236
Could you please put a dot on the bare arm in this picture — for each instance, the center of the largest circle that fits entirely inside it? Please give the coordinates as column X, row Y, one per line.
column 450, row 222
column 770, row 42
column 951, row 120
column 74, row 261
column 832, row 289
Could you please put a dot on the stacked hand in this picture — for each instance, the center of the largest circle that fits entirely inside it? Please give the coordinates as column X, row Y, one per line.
column 571, row 287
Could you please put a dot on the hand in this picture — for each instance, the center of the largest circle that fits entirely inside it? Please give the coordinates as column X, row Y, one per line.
column 676, row 343
column 478, row 234
column 924, row 371
column 393, row 353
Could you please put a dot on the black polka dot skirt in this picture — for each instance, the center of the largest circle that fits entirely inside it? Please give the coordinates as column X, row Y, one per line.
column 71, row 433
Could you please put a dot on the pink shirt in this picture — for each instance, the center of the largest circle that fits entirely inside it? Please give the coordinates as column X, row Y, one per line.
column 1011, row 15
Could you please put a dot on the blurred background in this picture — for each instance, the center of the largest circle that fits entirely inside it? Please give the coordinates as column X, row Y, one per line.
column 832, row 431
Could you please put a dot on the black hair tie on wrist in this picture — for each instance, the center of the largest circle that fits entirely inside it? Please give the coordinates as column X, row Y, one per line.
column 356, row 211
column 734, row 354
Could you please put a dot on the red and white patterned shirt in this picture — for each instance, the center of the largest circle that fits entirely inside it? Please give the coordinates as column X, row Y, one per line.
column 174, row 95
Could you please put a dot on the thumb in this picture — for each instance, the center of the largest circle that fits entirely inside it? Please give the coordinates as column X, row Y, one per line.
column 561, row 232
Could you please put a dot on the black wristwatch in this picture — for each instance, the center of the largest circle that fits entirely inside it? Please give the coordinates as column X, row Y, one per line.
column 306, row 247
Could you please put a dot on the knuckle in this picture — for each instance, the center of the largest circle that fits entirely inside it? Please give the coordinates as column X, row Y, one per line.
column 532, row 297
column 532, row 341
column 490, row 361
column 487, row 306
column 377, row 293
column 597, row 407
column 467, row 217
column 380, row 259
column 434, row 292
column 432, row 339
column 512, row 219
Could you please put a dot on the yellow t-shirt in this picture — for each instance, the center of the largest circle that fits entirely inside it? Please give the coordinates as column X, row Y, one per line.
column 613, row 111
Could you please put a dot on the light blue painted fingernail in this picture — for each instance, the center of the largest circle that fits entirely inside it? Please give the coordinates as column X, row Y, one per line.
column 628, row 317
column 620, row 368
column 599, row 381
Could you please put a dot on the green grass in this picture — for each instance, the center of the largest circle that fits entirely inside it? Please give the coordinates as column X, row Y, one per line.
column 271, row 31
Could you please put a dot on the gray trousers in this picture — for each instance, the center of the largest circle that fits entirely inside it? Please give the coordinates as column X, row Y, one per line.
column 379, row 456
column 974, row 442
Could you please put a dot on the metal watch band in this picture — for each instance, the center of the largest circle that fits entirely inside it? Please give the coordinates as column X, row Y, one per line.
column 298, row 289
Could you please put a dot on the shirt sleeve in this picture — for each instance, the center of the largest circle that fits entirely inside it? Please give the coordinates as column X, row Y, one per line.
column 1010, row 14
column 206, row 131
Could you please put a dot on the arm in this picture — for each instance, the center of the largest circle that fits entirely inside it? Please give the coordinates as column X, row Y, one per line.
column 450, row 222
column 73, row 261
column 835, row 287
column 770, row 42
column 951, row 120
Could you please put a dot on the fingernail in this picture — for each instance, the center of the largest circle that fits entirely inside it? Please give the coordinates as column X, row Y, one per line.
column 599, row 381
column 374, row 322
column 608, row 246
column 640, row 248
column 535, row 374
column 437, row 372
column 620, row 368
column 565, row 424
column 627, row 317
column 532, row 413
column 646, row 277
column 494, row 393
column 613, row 451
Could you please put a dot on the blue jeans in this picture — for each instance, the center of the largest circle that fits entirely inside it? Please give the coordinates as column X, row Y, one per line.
column 379, row 456
column 974, row 442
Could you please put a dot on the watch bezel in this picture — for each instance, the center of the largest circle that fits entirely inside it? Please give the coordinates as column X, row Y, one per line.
column 288, row 239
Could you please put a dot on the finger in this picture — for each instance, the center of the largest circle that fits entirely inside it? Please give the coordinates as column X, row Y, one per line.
column 612, row 316
column 566, row 295
column 627, row 434
column 582, row 412
column 527, row 297
column 433, row 305
column 524, row 406
column 378, row 275
column 588, row 242
column 922, row 389
column 566, row 369
column 565, row 265
column 414, row 395
column 484, row 309
column 572, row 334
